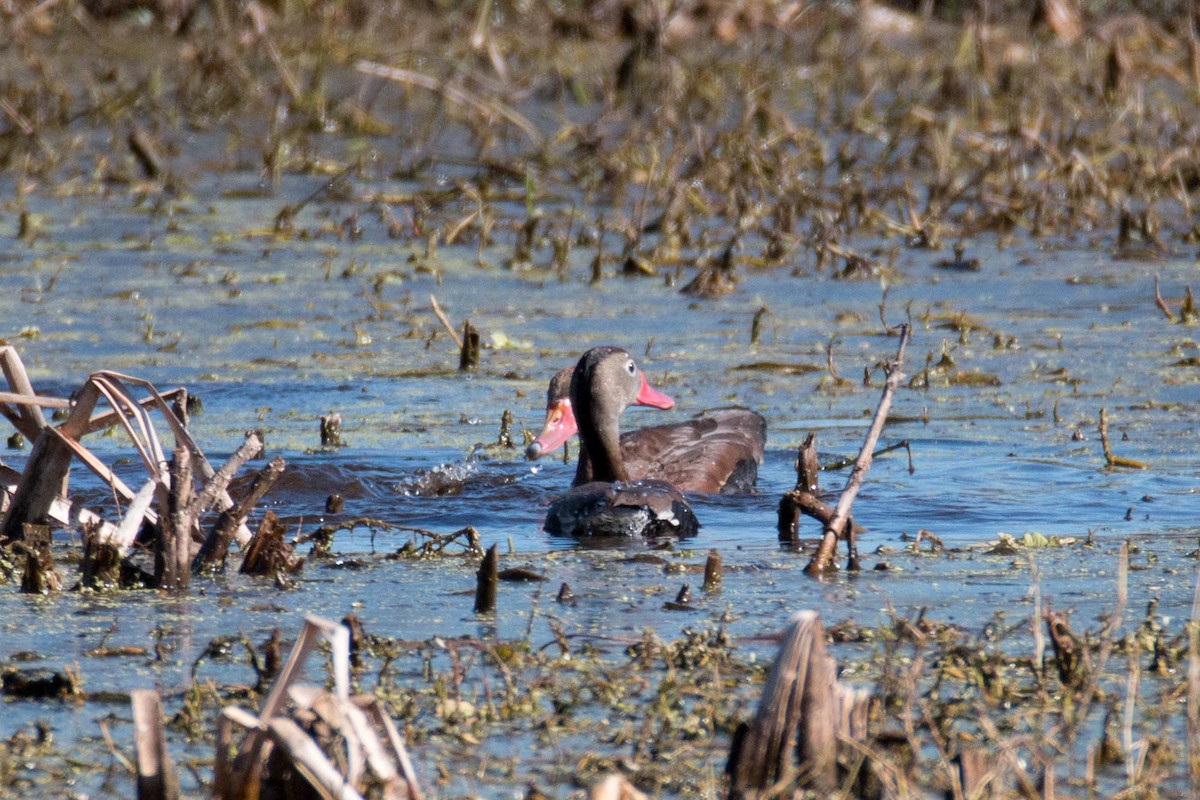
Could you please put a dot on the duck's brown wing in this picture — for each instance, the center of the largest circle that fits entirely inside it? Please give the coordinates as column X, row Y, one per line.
column 717, row 452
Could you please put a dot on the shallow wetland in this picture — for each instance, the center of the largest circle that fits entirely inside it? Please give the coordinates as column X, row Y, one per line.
column 745, row 200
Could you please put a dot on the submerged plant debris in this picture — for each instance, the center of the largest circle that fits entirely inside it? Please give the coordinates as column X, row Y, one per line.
column 373, row 231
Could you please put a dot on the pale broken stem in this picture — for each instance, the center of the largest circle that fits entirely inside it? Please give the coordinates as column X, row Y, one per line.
column 156, row 777
column 1162, row 304
column 32, row 420
column 380, row 717
column 486, row 108
column 304, row 753
column 250, row 448
column 313, row 630
column 437, row 312
column 822, row 561
column 615, row 787
column 1039, row 636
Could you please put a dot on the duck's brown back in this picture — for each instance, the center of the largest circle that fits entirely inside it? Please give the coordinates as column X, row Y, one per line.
column 718, row 451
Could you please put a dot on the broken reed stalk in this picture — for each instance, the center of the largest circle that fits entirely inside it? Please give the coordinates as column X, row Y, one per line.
column 101, row 560
column 973, row 767
column 172, row 546
column 331, row 430
column 156, row 778
column 1109, row 458
column 468, row 356
column 615, row 787
column 486, row 580
column 307, row 741
column 39, row 576
column 437, row 312
column 712, row 571
column 216, row 546
column 804, row 498
column 793, row 739
column 1162, row 304
column 1193, row 695
column 42, row 482
column 822, row 560
column 268, row 554
column 29, row 419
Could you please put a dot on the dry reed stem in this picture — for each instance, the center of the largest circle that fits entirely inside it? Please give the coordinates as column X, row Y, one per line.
column 486, row 108
column 1193, row 695
column 156, row 778
column 1112, row 623
column 437, row 312
column 822, row 560
column 1109, row 458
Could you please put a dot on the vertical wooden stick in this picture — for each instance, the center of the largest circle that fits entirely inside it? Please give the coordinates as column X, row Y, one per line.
column 468, row 356
column 487, row 577
column 156, row 775
column 712, row 571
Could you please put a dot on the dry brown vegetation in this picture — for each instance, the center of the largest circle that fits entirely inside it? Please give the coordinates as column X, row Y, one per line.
column 713, row 139
column 750, row 135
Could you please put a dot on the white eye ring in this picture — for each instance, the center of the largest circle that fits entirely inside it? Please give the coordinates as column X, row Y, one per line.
column 630, row 367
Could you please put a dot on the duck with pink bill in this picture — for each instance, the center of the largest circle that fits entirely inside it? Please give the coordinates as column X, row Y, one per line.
column 716, row 452
column 605, row 382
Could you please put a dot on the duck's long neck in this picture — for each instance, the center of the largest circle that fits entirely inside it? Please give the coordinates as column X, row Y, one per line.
column 599, row 445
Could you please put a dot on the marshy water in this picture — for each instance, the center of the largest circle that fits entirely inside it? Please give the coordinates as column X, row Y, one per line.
column 1012, row 358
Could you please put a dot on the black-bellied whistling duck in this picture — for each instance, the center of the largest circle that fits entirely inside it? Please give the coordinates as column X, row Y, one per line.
column 606, row 381
column 718, row 451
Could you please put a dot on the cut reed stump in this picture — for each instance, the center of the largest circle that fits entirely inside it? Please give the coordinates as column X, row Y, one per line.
column 485, row 583
column 156, row 778
column 268, row 554
column 172, row 546
column 793, row 741
column 712, row 571
column 39, row 576
column 468, row 354
column 213, row 552
column 804, row 498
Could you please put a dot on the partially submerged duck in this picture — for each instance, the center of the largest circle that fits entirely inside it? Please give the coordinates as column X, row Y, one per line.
column 608, row 502
column 716, row 452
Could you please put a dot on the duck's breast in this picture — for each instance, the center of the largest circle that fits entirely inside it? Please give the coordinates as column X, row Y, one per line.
column 634, row 508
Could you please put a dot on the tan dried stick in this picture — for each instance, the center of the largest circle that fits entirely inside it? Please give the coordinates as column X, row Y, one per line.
column 1162, row 304
column 822, row 561
column 437, row 312
column 487, row 108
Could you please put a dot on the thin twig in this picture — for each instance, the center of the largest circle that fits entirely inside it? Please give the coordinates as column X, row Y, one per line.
column 1162, row 304
column 1109, row 458
column 822, row 561
column 437, row 311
